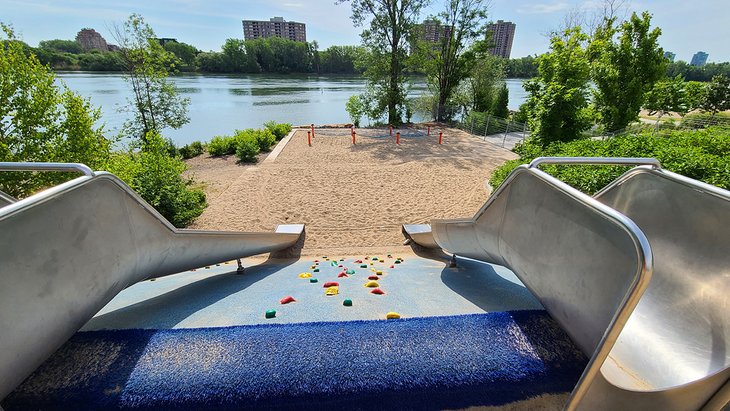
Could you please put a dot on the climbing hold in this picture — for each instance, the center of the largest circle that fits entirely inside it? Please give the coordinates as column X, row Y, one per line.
column 381, row 261
column 152, row 279
column 397, row 261
column 332, row 291
column 330, row 284
column 342, row 259
column 305, row 275
column 193, row 269
column 377, row 291
column 392, row 315
column 373, row 277
column 217, row 265
column 390, row 255
column 392, row 266
column 347, row 302
column 333, row 263
column 270, row 313
column 350, row 271
column 371, row 284
column 316, row 261
column 316, row 270
column 325, row 257
column 378, row 272
column 286, row 300
column 207, row 267
column 372, row 263
column 339, row 266
column 358, row 261
column 312, row 267
column 363, row 266
column 342, row 274
column 313, row 280
column 375, row 259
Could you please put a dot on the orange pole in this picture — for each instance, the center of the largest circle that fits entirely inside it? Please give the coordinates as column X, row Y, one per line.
column 353, row 137
column 391, row 129
column 441, row 136
column 397, row 137
column 429, row 130
column 312, row 129
column 309, row 138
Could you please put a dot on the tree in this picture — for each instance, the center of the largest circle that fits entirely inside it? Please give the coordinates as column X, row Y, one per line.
column 500, row 108
column 718, row 95
column 41, row 121
column 695, row 94
column 64, row 46
column 184, row 52
column 557, row 102
column 448, row 62
column 666, row 96
column 487, row 72
column 155, row 104
column 624, row 70
column 387, row 38
column 356, row 108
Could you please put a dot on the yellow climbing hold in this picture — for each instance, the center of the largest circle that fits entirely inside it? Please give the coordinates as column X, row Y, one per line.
column 313, row 267
column 305, row 275
column 378, row 272
column 332, row 290
column 382, row 261
column 372, row 284
column 392, row 315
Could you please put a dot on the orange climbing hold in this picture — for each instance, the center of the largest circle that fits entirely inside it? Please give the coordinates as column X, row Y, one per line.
column 377, row 291
column 342, row 274
column 373, row 277
column 286, row 300
column 329, row 284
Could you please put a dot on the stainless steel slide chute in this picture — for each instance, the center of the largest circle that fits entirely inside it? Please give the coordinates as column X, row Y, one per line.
column 671, row 351
column 67, row 251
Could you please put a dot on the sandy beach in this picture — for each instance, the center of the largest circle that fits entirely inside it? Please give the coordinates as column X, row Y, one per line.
column 350, row 197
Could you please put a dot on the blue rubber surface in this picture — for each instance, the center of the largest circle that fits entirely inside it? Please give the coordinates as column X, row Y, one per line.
column 415, row 363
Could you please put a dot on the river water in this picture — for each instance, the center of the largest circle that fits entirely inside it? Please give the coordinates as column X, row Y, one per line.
column 220, row 104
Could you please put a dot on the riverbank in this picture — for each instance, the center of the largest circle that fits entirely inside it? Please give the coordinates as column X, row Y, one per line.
column 350, row 197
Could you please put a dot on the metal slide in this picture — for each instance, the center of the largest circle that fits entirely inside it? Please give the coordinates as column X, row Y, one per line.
column 67, row 251
column 652, row 319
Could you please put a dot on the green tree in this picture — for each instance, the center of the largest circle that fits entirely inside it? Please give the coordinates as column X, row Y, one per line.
column 356, row 108
column 626, row 62
column 696, row 93
column 40, row 121
column 448, row 62
column 500, row 108
column 557, row 102
column 184, row 52
column 238, row 57
column 523, row 67
column 486, row 74
column 666, row 96
column 387, row 38
column 64, row 46
column 156, row 104
column 718, row 95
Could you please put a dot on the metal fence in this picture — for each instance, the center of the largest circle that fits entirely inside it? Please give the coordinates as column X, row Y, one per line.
column 500, row 131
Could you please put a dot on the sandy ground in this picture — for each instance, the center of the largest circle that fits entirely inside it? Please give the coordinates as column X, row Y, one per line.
column 349, row 197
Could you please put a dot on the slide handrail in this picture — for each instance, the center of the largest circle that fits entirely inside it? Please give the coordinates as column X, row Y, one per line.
column 39, row 166
column 627, row 161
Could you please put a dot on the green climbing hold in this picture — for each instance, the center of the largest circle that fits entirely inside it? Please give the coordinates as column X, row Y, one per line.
column 270, row 313
column 397, row 261
column 333, row 263
column 350, row 271
column 363, row 266
column 375, row 259
column 316, row 270
column 347, row 302
column 313, row 280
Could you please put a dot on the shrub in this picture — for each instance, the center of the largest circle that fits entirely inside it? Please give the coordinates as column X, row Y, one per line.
column 156, row 177
column 222, row 145
column 703, row 155
column 264, row 138
column 247, row 149
column 191, row 150
column 280, row 130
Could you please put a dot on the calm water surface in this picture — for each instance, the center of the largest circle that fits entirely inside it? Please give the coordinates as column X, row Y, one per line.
column 221, row 104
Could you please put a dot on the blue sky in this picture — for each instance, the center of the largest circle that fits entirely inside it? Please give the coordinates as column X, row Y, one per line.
column 688, row 26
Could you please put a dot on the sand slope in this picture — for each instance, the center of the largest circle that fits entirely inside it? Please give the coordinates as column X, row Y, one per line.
column 350, row 196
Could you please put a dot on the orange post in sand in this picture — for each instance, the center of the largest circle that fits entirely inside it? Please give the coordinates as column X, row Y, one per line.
column 391, row 129
column 353, row 137
column 429, row 131
column 441, row 136
column 397, row 137
column 312, row 129
column 309, row 138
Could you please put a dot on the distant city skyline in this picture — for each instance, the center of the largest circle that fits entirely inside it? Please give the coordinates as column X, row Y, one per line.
column 687, row 27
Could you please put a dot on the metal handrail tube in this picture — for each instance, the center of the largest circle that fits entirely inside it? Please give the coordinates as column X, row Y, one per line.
column 596, row 161
column 39, row 166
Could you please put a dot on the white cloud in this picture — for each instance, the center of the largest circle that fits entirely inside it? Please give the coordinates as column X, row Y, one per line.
column 542, row 8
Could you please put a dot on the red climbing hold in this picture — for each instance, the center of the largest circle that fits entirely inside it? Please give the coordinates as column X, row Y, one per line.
column 358, row 261
column 329, row 284
column 373, row 277
column 340, row 266
column 392, row 266
column 286, row 300
column 342, row 274
column 377, row 291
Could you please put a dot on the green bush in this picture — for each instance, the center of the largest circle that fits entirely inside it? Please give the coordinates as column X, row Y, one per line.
column 157, row 178
column 703, row 120
column 703, row 155
column 222, row 145
column 264, row 138
column 248, row 148
column 191, row 150
column 280, row 130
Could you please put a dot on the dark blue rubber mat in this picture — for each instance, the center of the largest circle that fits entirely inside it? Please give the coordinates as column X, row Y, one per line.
column 415, row 363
